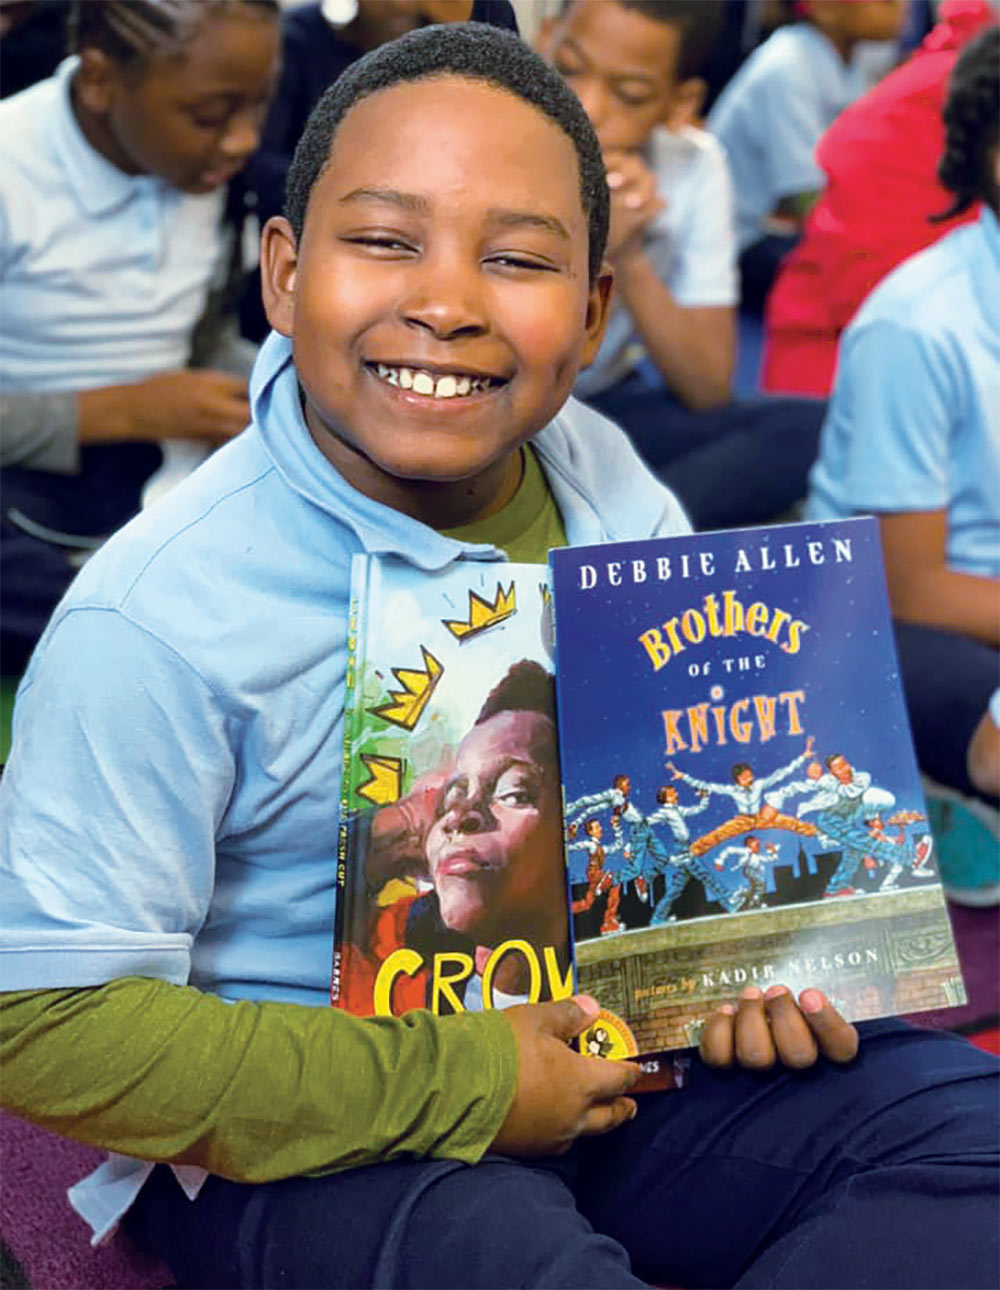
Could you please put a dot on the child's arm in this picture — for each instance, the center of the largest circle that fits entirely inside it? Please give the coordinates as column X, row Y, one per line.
column 924, row 590
column 260, row 1091
column 45, row 431
column 693, row 347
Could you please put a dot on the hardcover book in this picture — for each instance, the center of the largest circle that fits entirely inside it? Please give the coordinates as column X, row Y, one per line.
column 451, row 872
column 742, row 803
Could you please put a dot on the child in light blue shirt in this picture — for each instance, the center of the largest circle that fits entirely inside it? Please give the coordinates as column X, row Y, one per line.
column 913, row 436
column 771, row 115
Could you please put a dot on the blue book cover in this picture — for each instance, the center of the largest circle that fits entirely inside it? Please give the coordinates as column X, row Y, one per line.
column 742, row 802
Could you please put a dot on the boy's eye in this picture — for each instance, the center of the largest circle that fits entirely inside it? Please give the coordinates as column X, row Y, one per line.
column 517, row 260
column 380, row 243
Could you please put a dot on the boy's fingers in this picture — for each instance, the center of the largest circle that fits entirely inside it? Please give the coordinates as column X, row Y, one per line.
column 606, row 1116
column 716, row 1042
column 754, row 1045
column 789, row 1028
column 609, row 1080
column 566, row 1018
column 837, row 1038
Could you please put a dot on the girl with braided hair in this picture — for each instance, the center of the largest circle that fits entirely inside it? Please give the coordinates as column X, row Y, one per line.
column 913, row 436
column 115, row 252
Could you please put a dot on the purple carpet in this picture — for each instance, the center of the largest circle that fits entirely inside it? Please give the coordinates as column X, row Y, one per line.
column 46, row 1245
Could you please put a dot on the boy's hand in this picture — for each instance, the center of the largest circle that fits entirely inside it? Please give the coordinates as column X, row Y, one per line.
column 766, row 1029
column 195, row 405
column 561, row 1094
column 634, row 202
column 185, row 404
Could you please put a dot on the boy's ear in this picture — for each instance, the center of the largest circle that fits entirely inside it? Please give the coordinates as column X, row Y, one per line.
column 598, row 310
column 279, row 262
column 95, row 80
column 686, row 103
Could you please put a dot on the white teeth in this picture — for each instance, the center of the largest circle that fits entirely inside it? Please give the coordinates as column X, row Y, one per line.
column 441, row 387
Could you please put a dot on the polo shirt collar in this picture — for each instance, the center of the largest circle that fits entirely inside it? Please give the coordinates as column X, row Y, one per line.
column 277, row 415
column 97, row 185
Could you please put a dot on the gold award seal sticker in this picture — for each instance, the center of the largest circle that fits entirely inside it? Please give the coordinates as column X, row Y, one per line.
column 607, row 1036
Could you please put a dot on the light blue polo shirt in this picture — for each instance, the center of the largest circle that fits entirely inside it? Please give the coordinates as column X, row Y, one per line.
column 171, row 801
column 914, row 420
column 770, row 116
column 103, row 275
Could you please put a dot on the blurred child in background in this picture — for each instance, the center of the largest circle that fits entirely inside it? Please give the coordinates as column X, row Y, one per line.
column 635, row 64
column 880, row 189
column 913, row 435
column 772, row 113
column 113, row 249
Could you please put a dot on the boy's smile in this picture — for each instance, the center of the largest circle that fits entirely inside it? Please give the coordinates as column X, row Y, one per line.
column 439, row 300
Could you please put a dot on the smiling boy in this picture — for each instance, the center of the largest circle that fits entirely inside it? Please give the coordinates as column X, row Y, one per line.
column 171, row 822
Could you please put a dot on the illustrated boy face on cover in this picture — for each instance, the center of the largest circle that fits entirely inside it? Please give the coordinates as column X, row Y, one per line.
column 495, row 850
column 840, row 768
column 439, row 299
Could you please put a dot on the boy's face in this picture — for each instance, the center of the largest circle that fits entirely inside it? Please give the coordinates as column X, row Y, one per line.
column 621, row 64
column 439, row 300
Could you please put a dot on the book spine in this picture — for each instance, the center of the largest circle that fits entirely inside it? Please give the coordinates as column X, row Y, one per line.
column 353, row 697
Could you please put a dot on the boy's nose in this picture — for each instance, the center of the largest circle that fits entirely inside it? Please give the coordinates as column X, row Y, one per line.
column 444, row 299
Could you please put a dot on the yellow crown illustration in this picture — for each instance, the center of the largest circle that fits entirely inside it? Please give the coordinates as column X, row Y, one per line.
column 386, row 778
column 482, row 614
column 406, row 705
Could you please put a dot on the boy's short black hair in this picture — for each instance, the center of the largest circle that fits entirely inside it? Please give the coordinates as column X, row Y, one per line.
column 475, row 52
column 698, row 23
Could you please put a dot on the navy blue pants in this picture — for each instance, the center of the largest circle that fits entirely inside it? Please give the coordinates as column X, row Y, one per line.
column 744, row 463
column 883, row 1173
